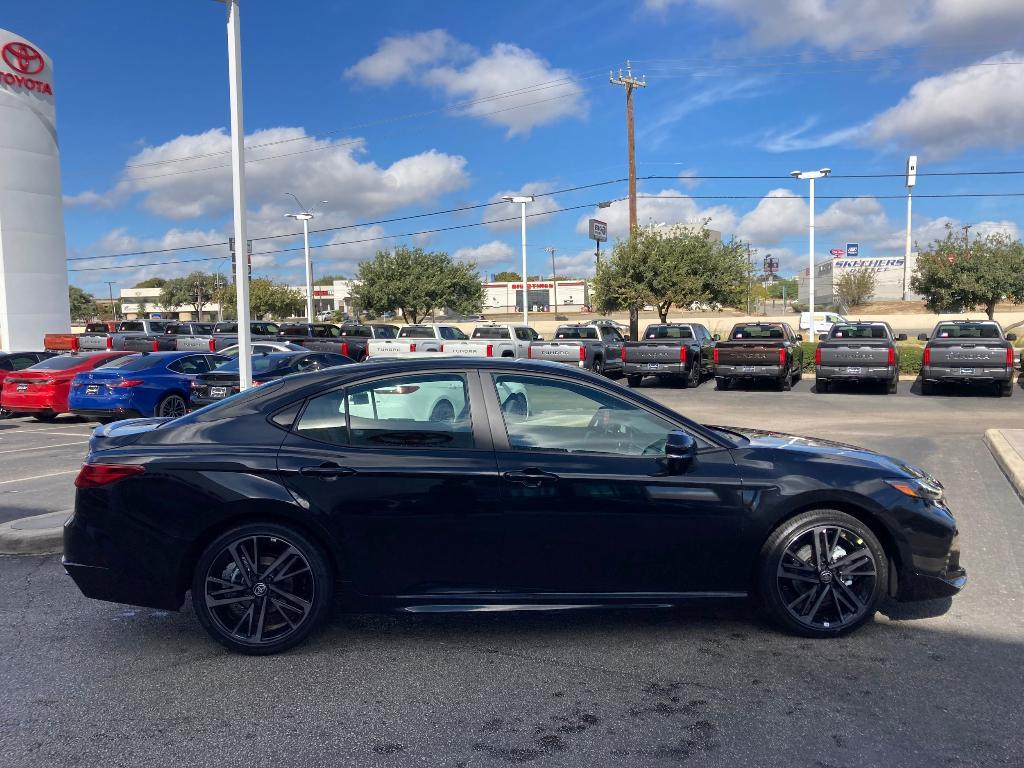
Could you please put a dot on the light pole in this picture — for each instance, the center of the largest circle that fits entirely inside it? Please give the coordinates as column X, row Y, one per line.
column 110, row 292
column 305, row 216
column 911, row 181
column 522, row 200
column 811, row 176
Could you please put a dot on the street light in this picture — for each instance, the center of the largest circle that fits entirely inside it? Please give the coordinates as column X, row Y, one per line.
column 811, row 176
column 522, row 200
column 305, row 216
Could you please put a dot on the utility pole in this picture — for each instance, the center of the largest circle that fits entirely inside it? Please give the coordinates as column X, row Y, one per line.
column 629, row 83
column 910, row 181
column 750, row 275
column 110, row 292
column 554, row 277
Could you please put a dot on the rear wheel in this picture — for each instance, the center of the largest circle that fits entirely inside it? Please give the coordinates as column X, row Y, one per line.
column 693, row 379
column 892, row 386
column 927, row 387
column 786, row 383
column 46, row 418
column 1006, row 389
column 172, row 406
column 721, row 383
column 634, row 381
column 598, row 366
column 443, row 411
column 261, row 588
column 822, row 385
column 822, row 574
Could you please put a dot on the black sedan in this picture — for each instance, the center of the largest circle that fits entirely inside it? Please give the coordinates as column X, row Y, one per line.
column 266, row 366
column 448, row 484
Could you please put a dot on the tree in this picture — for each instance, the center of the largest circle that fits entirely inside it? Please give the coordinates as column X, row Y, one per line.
column 328, row 279
column 855, row 287
column 957, row 274
column 195, row 290
column 415, row 282
column 153, row 282
column 83, row 305
column 266, row 299
column 507, row 276
column 790, row 284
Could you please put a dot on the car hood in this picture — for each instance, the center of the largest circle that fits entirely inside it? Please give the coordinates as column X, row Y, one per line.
column 814, row 448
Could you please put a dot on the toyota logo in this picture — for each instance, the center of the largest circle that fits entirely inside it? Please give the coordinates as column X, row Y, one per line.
column 23, row 58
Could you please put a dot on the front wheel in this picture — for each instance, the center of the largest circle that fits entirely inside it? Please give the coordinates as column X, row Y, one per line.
column 261, row 588
column 822, row 574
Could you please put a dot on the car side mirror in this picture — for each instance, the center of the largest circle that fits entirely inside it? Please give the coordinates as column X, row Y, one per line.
column 680, row 450
column 799, row 337
column 540, row 338
column 1011, row 337
column 922, row 337
column 716, row 337
column 822, row 336
column 901, row 337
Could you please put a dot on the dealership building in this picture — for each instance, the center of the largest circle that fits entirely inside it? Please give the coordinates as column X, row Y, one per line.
column 889, row 272
column 542, row 296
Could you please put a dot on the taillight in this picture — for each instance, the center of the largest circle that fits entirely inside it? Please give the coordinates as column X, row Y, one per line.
column 75, row 344
column 529, row 353
column 258, row 383
column 441, row 348
column 926, row 358
column 213, row 346
column 490, row 350
column 622, row 354
column 583, row 354
column 97, row 475
column 1009, row 357
column 156, row 345
column 344, row 348
column 782, row 357
column 714, row 355
column 817, row 356
column 110, row 342
column 412, row 347
column 682, row 355
column 127, row 383
column 892, row 355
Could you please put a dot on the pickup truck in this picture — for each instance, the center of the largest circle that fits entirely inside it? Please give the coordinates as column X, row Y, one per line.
column 669, row 351
column 759, row 351
column 495, row 340
column 596, row 348
column 225, row 334
column 98, row 337
column 350, row 339
column 414, row 339
column 855, row 351
column 970, row 352
column 168, row 340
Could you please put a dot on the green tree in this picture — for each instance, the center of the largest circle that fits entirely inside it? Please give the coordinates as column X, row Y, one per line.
column 328, row 279
column 506, row 276
column 855, row 287
column 196, row 290
column 790, row 284
column 415, row 282
column 267, row 299
column 83, row 305
column 957, row 274
column 153, row 282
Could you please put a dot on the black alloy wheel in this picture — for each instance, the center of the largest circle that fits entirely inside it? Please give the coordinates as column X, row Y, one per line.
column 634, row 381
column 443, row 411
column 822, row 385
column 822, row 574
column 1005, row 389
column 261, row 588
column 46, row 418
column 892, row 386
column 786, row 382
column 693, row 380
column 172, row 407
column 721, row 383
column 598, row 366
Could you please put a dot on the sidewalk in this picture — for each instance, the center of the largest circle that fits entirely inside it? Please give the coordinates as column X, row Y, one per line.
column 1007, row 446
column 38, row 535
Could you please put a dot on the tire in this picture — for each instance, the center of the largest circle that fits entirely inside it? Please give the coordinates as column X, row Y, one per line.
column 822, row 385
column 693, row 378
column 311, row 584
column 442, row 412
column 45, row 418
column 892, row 386
column 597, row 366
column 172, row 406
column 634, row 381
column 1006, row 389
column 927, row 387
column 800, row 586
column 786, row 383
column 721, row 383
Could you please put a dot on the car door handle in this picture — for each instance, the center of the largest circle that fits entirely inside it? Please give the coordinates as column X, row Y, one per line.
column 327, row 470
column 531, row 477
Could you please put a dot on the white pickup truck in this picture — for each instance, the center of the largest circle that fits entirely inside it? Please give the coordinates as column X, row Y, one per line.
column 414, row 339
column 494, row 340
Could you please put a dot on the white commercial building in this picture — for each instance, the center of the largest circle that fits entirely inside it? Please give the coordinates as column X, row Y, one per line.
column 889, row 273
column 33, row 260
column 543, row 296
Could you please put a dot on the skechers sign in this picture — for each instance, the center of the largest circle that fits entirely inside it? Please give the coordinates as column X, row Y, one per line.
column 25, row 61
column 875, row 265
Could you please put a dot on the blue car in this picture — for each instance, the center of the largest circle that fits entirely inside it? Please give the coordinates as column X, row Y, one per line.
column 148, row 384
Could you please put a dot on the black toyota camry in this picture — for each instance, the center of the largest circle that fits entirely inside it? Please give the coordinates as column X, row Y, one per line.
column 450, row 484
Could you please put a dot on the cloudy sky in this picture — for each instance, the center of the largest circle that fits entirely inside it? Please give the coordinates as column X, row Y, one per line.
column 412, row 119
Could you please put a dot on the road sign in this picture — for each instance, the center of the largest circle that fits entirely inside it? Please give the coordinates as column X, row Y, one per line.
column 598, row 230
column 852, row 250
column 837, row 252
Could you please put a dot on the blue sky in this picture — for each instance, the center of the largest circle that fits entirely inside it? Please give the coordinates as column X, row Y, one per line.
column 402, row 108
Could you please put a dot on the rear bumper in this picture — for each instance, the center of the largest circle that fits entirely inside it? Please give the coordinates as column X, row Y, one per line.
column 877, row 373
column 654, row 369
column 749, row 371
column 980, row 375
column 126, row 413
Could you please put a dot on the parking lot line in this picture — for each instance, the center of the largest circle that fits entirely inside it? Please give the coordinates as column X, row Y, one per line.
column 44, row 447
column 39, row 477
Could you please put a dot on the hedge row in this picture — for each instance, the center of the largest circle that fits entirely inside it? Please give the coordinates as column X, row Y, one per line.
column 910, row 356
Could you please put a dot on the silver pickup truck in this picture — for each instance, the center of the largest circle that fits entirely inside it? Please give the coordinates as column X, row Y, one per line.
column 855, row 351
column 126, row 329
column 598, row 349
column 969, row 352
column 168, row 340
column 494, row 340
column 414, row 339
column 669, row 351
column 225, row 334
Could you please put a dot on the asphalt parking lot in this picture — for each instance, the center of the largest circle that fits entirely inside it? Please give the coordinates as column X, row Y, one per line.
column 94, row 684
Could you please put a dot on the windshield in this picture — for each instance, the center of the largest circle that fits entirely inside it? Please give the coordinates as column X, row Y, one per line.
column 668, row 332
column 968, row 331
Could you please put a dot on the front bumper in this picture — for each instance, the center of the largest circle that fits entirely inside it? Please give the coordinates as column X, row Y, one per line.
column 979, row 375
column 875, row 373
column 749, row 371
column 654, row 369
column 923, row 586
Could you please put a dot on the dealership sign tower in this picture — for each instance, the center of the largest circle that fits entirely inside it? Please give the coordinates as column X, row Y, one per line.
column 33, row 267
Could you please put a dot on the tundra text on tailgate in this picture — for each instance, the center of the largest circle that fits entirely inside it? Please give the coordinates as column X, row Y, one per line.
column 968, row 351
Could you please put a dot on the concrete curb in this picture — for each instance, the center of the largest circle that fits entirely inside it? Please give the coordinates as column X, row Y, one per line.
column 1006, row 456
column 37, row 535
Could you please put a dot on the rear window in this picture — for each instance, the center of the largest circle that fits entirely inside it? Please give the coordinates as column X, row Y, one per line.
column 356, row 331
column 260, row 363
column 59, row 363
column 133, row 362
column 132, row 326
column 757, row 332
column 385, row 331
column 96, row 328
column 863, row 331
column 668, row 332
column 968, row 331
column 416, row 332
column 490, row 333
column 569, row 332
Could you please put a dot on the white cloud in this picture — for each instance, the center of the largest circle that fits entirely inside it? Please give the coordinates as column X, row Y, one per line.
column 797, row 139
column 581, row 264
column 402, row 56
column 687, row 178
column 494, row 214
column 669, row 206
column 657, row 131
column 487, row 255
column 930, row 230
column 856, row 25
column 778, row 215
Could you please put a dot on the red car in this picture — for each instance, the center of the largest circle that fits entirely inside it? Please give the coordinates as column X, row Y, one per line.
column 42, row 389
column 16, row 361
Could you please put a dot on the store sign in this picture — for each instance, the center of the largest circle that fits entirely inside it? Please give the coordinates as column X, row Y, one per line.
column 875, row 265
column 530, row 286
column 24, row 61
column 598, row 230
column 852, row 250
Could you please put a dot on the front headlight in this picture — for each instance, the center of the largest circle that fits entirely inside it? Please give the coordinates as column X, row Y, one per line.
column 918, row 487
